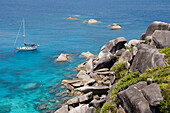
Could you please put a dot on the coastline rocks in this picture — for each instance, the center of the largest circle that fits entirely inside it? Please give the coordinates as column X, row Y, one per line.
column 161, row 39
column 41, row 106
column 112, row 46
column 143, row 57
column 152, row 93
column 81, row 66
column 82, row 75
column 63, row 109
column 92, row 21
column 154, row 26
column 115, row 27
column 94, row 89
column 86, row 54
column 107, row 53
column 89, row 65
column 80, row 109
column 62, row 58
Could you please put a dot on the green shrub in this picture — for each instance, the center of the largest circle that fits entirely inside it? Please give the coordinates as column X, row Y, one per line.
column 120, row 70
column 109, row 107
column 129, row 48
column 166, row 51
column 148, row 41
column 165, row 104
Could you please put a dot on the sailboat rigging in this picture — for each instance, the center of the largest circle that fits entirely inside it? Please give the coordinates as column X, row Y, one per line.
column 26, row 47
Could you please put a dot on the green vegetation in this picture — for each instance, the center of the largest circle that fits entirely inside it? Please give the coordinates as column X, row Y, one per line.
column 120, row 69
column 109, row 107
column 166, row 51
column 148, row 41
column 130, row 48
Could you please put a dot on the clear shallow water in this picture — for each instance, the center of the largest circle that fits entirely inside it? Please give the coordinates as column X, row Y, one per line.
column 47, row 25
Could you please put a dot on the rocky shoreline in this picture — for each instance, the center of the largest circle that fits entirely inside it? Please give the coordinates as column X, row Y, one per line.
column 99, row 74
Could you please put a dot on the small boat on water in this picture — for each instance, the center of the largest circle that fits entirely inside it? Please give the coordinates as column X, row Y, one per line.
column 26, row 47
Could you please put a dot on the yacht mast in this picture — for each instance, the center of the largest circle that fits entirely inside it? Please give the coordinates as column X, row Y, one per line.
column 24, row 30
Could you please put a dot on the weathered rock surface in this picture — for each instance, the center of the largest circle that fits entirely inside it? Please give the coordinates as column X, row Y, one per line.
column 92, row 21
column 62, row 58
column 155, row 26
column 94, row 89
column 63, row 109
column 161, row 38
column 80, row 109
column 126, row 56
column 134, row 51
column 82, row 75
column 81, row 66
column 152, row 93
column 143, row 57
column 97, row 103
column 134, row 42
column 86, row 54
column 89, row 65
column 133, row 101
column 112, row 46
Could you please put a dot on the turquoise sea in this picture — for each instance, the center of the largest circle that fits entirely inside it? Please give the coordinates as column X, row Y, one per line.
column 48, row 26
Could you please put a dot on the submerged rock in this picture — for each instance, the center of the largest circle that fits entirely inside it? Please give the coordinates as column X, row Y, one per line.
column 71, row 18
column 31, row 86
column 41, row 106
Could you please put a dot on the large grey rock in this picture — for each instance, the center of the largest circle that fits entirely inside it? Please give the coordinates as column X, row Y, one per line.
column 89, row 65
column 155, row 26
column 133, row 101
column 147, row 56
column 106, row 61
column 85, row 97
column 63, row 109
column 161, row 38
column 152, row 93
column 97, row 103
column 112, row 46
column 73, row 101
column 82, row 75
column 80, row 109
column 126, row 56
column 107, row 53
column 94, row 89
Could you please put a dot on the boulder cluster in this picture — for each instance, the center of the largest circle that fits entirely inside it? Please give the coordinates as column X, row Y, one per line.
column 95, row 79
